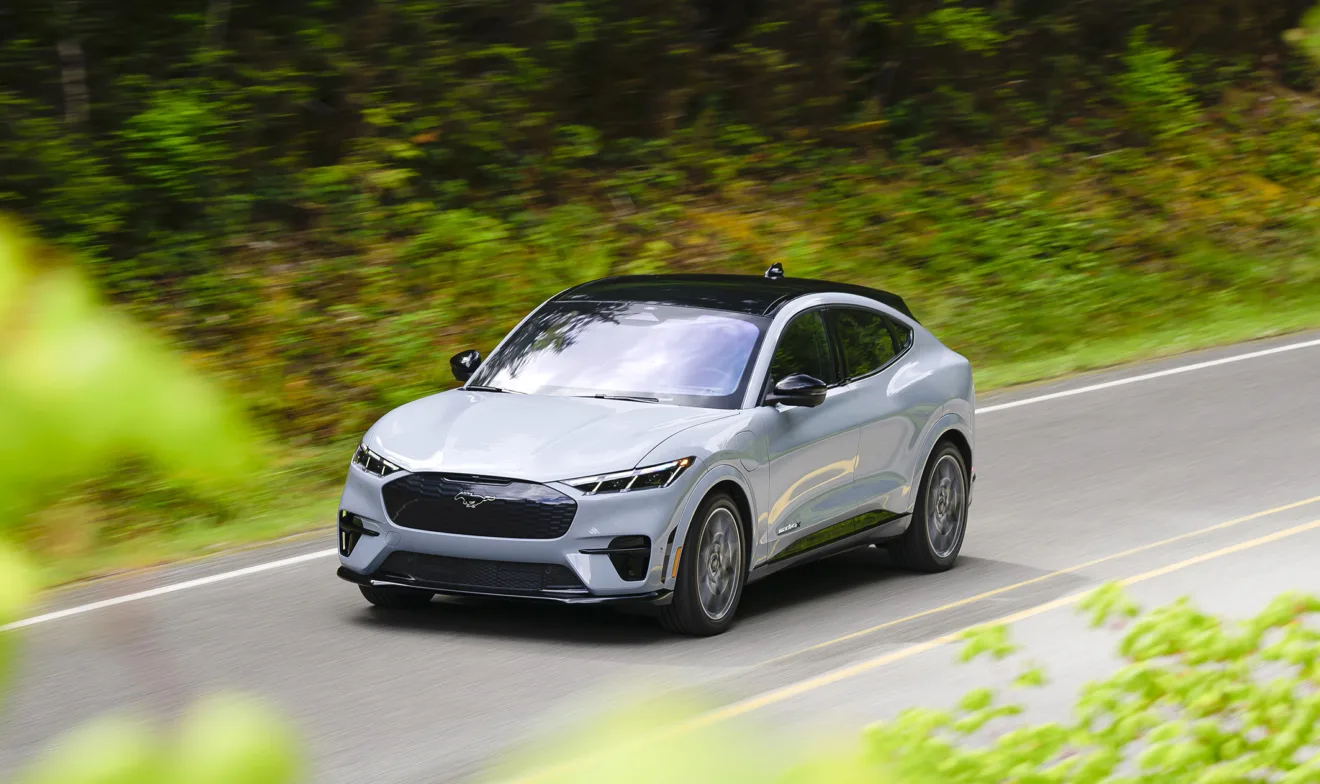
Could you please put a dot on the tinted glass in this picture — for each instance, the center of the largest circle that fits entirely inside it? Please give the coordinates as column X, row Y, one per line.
column 902, row 334
column 804, row 347
column 686, row 356
column 865, row 338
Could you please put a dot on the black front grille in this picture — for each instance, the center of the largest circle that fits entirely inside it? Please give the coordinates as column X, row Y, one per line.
column 478, row 506
column 442, row 571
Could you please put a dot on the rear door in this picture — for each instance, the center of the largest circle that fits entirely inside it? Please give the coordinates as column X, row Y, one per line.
column 871, row 347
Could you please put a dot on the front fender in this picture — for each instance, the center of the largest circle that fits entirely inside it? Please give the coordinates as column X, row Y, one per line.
column 676, row 533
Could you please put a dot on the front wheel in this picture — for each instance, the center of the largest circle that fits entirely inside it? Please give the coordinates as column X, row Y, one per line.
column 939, row 521
column 711, row 571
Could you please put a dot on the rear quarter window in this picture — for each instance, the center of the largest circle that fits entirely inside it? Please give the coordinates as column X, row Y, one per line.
column 868, row 341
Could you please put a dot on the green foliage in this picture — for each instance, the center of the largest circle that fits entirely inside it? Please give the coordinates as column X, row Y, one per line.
column 173, row 146
column 223, row 739
column 1031, row 678
column 970, row 29
column 990, row 640
column 1155, row 91
column 228, row 738
column 322, row 202
column 1306, row 36
column 81, row 386
column 1197, row 699
column 199, row 139
column 1106, row 602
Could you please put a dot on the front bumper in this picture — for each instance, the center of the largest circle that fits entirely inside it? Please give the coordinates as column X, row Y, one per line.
column 652, row 599
column 581, row 561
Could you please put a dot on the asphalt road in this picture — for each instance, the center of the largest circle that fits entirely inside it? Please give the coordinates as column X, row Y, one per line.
column 1221, row 460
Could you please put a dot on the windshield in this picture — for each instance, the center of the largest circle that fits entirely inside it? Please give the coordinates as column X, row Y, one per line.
column 678, row 355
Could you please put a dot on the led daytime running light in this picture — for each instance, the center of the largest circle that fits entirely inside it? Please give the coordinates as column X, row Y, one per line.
column 373, row 463
column 629, row 481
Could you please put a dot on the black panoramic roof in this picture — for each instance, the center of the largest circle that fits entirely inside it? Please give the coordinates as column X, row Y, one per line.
column 741, row 293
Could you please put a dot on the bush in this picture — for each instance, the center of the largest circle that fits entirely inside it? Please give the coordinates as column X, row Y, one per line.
column 1154, row 90
column 1197, row 700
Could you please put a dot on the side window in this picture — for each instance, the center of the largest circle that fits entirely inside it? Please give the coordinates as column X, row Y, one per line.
column 866, row 339
column 804, row 347
column 902, row 334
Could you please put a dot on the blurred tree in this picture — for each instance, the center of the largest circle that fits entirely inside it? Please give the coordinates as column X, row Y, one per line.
column 81, row 387
column 157, row 140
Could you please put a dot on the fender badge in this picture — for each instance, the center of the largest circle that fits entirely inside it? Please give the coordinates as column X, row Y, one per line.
column 786, row 529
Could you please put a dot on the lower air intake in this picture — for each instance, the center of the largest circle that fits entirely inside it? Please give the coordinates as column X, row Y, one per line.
column 441, row 571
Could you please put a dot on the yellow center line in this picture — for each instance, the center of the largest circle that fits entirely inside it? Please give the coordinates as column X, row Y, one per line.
column 843, row 673
column 1038, row 579
column 799, row 688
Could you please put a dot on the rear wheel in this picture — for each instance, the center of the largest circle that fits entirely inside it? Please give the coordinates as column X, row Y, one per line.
column 711, row 571
column 395, row 598
column 939, row 522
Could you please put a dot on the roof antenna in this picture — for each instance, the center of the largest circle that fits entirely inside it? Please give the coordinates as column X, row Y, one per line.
column 775, row 272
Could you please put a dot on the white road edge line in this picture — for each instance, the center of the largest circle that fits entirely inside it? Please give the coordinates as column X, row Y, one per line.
column 161, row 591
column 297, row 559
column 1148, row 376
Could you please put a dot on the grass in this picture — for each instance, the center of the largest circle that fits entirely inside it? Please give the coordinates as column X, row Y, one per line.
column 304, row 511
column 1231, row 326
column 309, row 506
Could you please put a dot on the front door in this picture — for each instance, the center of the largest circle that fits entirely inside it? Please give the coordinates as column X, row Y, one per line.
column 812, row 451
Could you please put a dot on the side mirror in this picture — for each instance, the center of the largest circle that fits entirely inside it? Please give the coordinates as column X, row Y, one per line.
column 798, row 389
column 465, row 364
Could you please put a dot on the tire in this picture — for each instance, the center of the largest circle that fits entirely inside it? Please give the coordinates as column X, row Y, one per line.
column 932, row 541
column 393, row 597
column 705, row 610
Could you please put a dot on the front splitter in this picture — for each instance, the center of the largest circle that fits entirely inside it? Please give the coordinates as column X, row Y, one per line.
column 652, row 599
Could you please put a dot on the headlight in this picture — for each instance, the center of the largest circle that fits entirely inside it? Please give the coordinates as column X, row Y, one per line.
column 636, row 479
column 373, row 463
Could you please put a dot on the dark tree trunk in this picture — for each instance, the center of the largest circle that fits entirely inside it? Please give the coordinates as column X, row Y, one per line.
column 73, row 67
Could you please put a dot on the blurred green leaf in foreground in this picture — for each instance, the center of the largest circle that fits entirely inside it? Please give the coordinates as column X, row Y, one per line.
column 1198, row 699
column 81, row 387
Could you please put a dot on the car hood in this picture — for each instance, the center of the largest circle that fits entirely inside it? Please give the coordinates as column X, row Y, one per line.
column 539, row 438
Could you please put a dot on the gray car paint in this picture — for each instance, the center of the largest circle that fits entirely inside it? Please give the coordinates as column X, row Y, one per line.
column 862, row 450
column 540, row 438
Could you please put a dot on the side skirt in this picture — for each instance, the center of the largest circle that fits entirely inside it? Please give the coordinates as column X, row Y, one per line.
column 861, row 531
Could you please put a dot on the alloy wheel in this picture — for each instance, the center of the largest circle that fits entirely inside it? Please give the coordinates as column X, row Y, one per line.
column 719, row 557
column 946, row 506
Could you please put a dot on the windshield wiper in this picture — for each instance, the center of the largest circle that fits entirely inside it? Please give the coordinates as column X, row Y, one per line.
column 480, row 388
column 633, row 398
